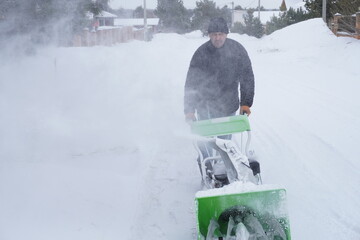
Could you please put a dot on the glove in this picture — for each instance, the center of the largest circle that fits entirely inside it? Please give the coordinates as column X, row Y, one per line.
column 245, row 109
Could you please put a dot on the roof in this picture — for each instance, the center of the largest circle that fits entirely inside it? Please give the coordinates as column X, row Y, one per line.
column 135, row 21
column 265, row 16
column 102, row 14
column 106, row 15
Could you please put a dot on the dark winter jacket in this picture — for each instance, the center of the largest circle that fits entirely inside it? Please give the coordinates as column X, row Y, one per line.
column 212, row 83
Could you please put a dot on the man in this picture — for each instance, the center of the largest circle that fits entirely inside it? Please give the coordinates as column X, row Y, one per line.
column 216, row 70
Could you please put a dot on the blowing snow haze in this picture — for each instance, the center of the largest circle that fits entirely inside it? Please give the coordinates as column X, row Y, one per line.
column 190, row 4
column 26, row 23
column 93, row 142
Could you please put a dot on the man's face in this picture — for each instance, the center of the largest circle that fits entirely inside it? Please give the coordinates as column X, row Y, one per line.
column 218, row 39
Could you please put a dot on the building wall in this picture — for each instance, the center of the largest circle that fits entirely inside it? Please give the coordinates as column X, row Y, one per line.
column 239, row 16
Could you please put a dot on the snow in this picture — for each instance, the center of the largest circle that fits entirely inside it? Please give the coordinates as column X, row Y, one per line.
column 93, row 143
column 106, row 15
column 102, row 14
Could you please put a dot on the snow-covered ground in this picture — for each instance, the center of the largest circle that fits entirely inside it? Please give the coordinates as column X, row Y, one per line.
column 93, row 143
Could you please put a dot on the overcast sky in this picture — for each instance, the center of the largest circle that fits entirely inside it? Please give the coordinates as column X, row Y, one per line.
column 151, row 4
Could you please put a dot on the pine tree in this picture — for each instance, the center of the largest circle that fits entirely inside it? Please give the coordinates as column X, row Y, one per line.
column 173, row 16
column 285, row 19
column 276, row 23
column 138, row 12
column 225, row 12
column 97, row 6
column 314, row 7
column 252, row 26
column 344, row 7
column 204, row 11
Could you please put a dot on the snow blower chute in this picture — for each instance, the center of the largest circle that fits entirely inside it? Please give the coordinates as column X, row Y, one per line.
column 235, row 205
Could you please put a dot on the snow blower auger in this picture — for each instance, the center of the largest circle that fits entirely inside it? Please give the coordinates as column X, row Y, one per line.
column 235, row 205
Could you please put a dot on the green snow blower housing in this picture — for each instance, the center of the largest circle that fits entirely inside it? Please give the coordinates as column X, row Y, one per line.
column 240, row 208
column 266, row 207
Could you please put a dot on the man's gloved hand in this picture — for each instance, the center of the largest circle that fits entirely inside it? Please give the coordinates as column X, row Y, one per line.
column 190, row 117
column 245, row 109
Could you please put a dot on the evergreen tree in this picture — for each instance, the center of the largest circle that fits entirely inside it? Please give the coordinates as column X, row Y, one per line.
column 314, row 7
column 285, row 19
column 276, row 23
column 104, row 4
column 139, row 12
column 238, row 7
column 252, row 26
column 204, row 11
column 225, row 12
column 297, row 15
column 344, row 7
column 96, row 6
column 173, row 16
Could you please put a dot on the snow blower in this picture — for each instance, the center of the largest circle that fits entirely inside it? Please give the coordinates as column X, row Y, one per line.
column 235, row 205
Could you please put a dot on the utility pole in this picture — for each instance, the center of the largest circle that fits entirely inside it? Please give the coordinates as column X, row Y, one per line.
column 259, row 10
column 145, row 23
column 324, row 10
column 232, row 14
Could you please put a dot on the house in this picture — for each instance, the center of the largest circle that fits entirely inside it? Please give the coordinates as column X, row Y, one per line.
column 152, row 23
column 265, row 16
column 239, row 16
column 105, row 18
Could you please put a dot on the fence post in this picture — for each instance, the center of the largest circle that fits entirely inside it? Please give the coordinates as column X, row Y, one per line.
column 77, row 41
column 358, row 24
column 335, row 26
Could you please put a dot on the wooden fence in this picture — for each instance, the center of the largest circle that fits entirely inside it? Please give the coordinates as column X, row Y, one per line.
column 107, row 37
column 346, row 26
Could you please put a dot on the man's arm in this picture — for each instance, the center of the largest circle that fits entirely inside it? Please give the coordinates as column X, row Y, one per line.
column 247, row 84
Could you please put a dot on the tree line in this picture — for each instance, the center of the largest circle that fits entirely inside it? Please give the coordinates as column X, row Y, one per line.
column 313, row 9
column 46, row 19
column 175, row 18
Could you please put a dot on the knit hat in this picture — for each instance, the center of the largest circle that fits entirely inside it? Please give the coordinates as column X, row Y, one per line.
column 218, row 24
